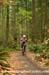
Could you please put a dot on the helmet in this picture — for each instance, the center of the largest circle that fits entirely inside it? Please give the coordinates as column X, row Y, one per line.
column 24, row 35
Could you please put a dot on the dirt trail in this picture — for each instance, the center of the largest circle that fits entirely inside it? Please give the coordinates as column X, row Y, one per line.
column 21, row 63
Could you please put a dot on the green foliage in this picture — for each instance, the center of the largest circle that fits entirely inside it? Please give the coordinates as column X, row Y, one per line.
column 45, row 53
column 41, row 49
column 4, row 64
column 3, row 57
column 31, row 47
column 36, row 48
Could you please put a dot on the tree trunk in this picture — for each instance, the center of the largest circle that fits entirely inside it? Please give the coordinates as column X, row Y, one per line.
column 7, row 25
column 33, row 19
column 45, row 20
column 41, row 20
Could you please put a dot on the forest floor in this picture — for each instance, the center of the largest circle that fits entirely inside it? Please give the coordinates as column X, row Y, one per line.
column 22, row 65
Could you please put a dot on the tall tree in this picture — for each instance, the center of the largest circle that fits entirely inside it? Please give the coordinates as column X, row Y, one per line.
column 40, row 6
column 14, row 23
column 45, row 19
column 33, row 19
column 7, row 25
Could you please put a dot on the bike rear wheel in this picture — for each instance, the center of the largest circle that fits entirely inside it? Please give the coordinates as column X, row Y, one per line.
column 24, row 50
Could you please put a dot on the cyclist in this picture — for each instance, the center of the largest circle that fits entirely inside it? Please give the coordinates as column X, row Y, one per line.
column 23, row 44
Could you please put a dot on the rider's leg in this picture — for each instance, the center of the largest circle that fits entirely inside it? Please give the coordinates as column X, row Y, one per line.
column 24, row 48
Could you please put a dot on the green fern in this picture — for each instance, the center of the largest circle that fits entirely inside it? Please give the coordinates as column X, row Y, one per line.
column 3, row 58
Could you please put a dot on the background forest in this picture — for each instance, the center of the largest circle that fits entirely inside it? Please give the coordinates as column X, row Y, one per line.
column 19, row 17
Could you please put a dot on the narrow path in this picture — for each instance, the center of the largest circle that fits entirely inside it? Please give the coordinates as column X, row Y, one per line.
column 21, row 63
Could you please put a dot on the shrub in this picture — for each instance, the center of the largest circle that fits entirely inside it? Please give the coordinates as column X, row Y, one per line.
column 3, row 57
column 36, row 48
column 45, row 54
column 30, row 47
